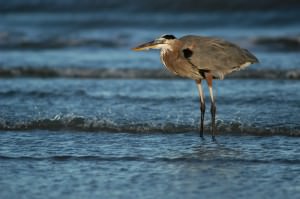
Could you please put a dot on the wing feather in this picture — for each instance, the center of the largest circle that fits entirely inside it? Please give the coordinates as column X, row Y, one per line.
column 216, row 55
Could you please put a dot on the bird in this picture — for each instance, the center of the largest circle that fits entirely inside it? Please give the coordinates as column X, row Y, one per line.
column 200, row 58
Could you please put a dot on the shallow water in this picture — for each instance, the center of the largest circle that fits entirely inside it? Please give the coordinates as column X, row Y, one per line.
column 118, row 105
column 122, row 165
column 83, row 116
column 117, row 138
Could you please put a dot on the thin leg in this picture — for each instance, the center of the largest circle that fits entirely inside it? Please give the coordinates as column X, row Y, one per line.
column 202, row 106
column 213, row 108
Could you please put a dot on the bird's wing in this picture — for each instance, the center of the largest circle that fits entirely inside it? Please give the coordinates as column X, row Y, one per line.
column 215, row 55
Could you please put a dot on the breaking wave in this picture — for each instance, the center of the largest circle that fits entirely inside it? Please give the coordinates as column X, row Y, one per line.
column 63, row 158
column 279, row 43
column 9, row 41
column 81, row 124
column 134, row 73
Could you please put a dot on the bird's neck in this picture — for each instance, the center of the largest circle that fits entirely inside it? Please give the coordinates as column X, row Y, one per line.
column 169, row 54
column 169, row 51
column 165, row 51
column 166, row 54
column 168, row 57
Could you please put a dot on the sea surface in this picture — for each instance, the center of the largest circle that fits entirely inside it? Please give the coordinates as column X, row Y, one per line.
column 84, row 116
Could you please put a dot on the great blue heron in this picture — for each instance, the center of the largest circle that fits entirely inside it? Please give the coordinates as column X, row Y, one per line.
column 198, row 58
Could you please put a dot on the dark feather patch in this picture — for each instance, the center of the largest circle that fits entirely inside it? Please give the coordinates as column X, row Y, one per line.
column 187, row 53
column 169, row 37
column 202, row 72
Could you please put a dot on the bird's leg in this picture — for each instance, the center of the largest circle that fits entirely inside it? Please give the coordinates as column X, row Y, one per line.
column 209, row 79
column 202, row 106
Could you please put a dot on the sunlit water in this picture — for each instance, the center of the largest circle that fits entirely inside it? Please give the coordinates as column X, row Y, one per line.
column 83, row 116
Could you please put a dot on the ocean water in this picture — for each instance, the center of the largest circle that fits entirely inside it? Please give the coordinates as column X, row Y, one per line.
column 83, row 116
column 125, row 165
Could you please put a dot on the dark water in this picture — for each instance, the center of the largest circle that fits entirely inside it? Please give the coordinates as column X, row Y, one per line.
column 83, row 116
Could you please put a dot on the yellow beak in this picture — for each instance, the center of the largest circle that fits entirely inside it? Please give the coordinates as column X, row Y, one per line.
column 147, row 46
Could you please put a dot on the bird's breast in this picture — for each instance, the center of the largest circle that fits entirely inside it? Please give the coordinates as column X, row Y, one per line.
column 179, row 65
column 169, row 60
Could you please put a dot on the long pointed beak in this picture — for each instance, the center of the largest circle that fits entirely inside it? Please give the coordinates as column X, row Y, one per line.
column 147, row 46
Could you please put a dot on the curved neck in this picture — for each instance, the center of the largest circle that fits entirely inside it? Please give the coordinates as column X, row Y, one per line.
column 172, row 49
column 170, row 56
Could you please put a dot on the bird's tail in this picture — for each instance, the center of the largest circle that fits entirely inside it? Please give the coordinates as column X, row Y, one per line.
column 250, row 57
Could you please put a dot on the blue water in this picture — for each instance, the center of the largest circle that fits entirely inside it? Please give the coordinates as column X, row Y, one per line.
column 83, row 116
column 122, row 165
column 148, row 105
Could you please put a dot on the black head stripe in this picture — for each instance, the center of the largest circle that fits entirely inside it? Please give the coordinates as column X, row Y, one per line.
column 169, row 37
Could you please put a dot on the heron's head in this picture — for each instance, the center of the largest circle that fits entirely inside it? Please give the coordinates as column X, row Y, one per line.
column 163, row 42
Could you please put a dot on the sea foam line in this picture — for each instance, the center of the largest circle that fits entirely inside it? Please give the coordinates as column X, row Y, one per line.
column 82, row 124
column 134, row 73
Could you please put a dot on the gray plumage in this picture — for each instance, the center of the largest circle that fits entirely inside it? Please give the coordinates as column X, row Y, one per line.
column 215, row 55
column 198, row 58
